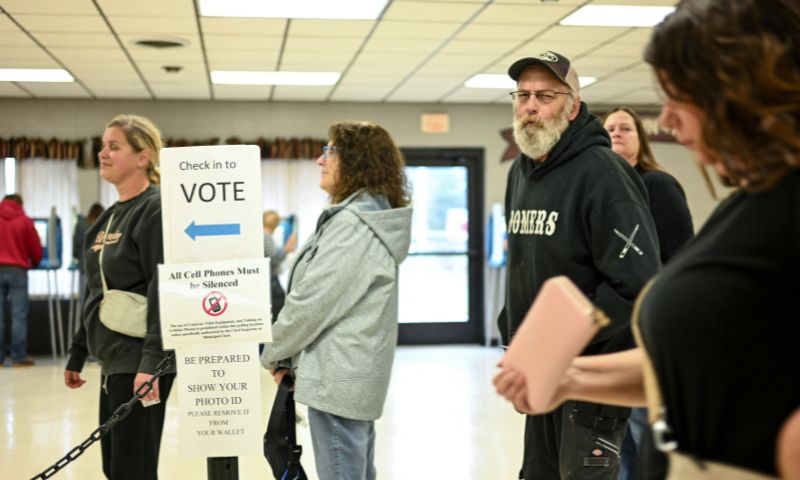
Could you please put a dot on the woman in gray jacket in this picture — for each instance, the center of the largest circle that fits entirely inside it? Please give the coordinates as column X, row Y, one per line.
column 338, row 329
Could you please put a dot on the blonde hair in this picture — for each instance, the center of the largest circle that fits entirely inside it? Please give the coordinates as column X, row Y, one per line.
column 270, row 219
column 142, row 134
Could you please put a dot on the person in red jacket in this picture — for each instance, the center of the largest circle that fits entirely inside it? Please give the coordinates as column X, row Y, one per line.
column 20, row 250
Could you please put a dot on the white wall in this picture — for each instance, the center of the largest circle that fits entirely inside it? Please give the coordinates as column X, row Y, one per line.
column 471, row 125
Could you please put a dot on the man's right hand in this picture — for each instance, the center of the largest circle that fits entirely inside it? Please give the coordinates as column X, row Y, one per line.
column 73, row 379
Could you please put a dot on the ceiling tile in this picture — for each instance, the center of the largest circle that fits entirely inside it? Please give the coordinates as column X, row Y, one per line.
column 33, row 53
column 243, row 26
column 56, row 90
column 68, row 55
column 392, row 46
column 248, row 61
column 151, row 8
column 422, row 30
column 594, row 35
column 302, row 94
column 492, row 32
column 370, row 80
column 636, row 2
column 315, row 60
column 162, row 25
column 131, row 90
column 523, row 14
column 407, row 42
column 301, row 64
column 441, row 11
column 8, row 89
column 639, row 36
column 15, row 39
column 560, row 2
column 62, row 23
column 398, row 60
column 489, row 47
column 242, row 42
column 330, row 28
column 6, row 25
column 51, row 7
column 194, row 91
column 242, row 92
column 91, row 40
column 307, row 44
column 191, row 54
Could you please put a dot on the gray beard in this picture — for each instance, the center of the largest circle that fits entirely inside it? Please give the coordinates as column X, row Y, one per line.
column 537, row 139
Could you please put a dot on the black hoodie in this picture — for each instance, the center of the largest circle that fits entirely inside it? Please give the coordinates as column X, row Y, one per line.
column 568, row 216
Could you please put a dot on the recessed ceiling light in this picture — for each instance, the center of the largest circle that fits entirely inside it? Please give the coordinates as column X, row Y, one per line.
column 485, row 80
column 35, row 75
column 324, row 9
column 225, row 77
column 617, row 16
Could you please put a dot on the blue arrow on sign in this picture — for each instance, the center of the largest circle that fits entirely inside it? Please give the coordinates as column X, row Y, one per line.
column 212, row 230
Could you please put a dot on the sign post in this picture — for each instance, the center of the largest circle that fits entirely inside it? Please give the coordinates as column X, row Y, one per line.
column 214, row 298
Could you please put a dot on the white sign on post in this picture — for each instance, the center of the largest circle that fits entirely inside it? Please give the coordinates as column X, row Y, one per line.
column 214, row 294
column 211, row 203
column 214, row 302
column 217, row 393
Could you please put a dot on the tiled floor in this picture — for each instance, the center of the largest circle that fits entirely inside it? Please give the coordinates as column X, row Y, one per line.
column 442, row 421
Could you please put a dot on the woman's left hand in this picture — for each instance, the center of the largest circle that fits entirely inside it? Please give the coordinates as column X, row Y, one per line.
column 153, row 395
column 278, row 373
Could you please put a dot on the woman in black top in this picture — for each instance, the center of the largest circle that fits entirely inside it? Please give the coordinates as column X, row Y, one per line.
column 667, row 199
column 128, row 234
column 674, row 227
column 719, row 327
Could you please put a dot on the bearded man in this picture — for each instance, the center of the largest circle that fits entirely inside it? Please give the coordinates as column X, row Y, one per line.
column 575, row 208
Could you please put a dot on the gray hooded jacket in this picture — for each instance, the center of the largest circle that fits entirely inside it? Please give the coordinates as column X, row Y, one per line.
column 339, row 323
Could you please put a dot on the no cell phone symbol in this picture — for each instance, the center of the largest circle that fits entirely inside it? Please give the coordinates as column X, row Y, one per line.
column 215, row 304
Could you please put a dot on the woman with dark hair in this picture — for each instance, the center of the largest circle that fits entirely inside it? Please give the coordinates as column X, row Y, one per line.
column 674, row 228
column 718, row 329
column 667, row 198
column 337, row 331
column 122, row 251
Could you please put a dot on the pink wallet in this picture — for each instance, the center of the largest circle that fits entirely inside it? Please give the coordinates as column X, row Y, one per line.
column 558, row 326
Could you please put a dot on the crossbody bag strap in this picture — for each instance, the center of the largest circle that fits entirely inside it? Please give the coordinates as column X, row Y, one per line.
column 662, row 435
column 103, row 249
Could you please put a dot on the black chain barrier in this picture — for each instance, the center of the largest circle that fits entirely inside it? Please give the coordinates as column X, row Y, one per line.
column 121, row 412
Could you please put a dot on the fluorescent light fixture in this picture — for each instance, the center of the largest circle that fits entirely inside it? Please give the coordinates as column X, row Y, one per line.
column 617, row 16
column 324, row 9
column 34, row 75
column 10, row 176
column 227, row 77
column 484, row 80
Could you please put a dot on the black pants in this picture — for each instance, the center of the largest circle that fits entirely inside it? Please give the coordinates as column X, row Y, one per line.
column 130, row 449
column 575, row 442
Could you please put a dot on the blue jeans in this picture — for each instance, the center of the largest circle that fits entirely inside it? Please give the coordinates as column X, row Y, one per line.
column 633, row 439
column 344, row 449
column 14, row 286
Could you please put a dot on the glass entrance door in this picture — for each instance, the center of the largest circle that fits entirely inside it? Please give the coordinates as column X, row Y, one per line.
column 441, row 281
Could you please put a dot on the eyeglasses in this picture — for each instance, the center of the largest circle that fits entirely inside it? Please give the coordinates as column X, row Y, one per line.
column 542, row 96
column 327, row 150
